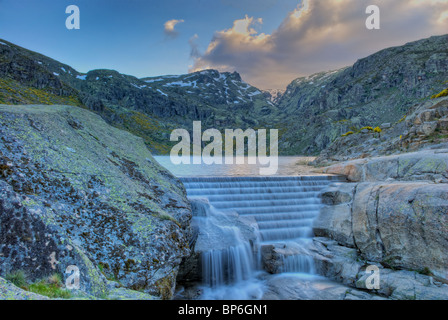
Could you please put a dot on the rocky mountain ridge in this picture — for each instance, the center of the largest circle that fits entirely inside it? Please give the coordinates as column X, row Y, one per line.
column 150, row 107
column 310, row 115
column 378, row 89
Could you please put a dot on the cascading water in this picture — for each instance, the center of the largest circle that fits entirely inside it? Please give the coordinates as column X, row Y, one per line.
column 227, row 255
column 283, row 207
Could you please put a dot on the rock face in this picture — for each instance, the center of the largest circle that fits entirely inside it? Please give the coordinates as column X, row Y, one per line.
column 335, row 219
column 394, row 213
column 376, row 90
column 403, row 225
column 76, row 192
column 424, row 127
column 347, row 266
column 287, row 287
column 428, row 165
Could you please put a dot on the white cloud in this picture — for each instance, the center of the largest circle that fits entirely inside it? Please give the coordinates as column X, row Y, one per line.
column 169, row 27
column 319, row 35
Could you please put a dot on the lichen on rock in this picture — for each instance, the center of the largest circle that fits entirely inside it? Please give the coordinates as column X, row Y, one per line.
column 76, row 191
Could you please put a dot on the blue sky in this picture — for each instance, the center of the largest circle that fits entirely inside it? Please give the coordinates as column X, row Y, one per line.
column 128, row 35
column 269, row 42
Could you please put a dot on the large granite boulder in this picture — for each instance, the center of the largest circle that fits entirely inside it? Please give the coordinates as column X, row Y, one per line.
column 396, row 213
column 76, row 192
column 335, row 219
column 429, row 165
column 403, row 225
column 347, row 266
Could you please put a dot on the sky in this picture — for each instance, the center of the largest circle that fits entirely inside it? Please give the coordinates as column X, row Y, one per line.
column 269, row 42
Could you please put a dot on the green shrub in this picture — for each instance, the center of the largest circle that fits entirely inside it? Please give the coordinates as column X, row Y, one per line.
column 17, row 278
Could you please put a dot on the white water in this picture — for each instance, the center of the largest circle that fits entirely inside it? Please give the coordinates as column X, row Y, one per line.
column 284, row 209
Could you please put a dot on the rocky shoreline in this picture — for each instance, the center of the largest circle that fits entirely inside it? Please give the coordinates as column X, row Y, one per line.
column 392, row 214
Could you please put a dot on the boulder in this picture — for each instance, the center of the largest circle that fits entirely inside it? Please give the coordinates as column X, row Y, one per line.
column 427, row 128
column 335, row 219
column 287, row 257
column 423, row 165
column 346, row 266
column 335, row 222
column 75, row 191
column 403, row 225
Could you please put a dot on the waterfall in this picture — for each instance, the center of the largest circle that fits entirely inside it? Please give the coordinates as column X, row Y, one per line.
column 227, row 256
column 283, row 207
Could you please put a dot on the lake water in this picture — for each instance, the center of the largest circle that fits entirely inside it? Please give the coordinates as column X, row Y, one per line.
column 287, row 166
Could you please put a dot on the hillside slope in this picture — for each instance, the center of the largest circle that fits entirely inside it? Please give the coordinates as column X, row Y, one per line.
column 378, row 89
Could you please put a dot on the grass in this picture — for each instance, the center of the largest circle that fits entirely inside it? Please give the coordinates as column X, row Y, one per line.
column 402, row 119
column 17, row 278
column 51, row 290
column 426, row 272
column 51, row 286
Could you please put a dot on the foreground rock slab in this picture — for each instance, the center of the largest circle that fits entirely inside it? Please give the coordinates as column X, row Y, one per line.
column 8, row 291
column 75, row 191
column 301, row 287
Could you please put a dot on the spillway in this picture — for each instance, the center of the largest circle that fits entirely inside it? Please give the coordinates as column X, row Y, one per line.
column 284, row 209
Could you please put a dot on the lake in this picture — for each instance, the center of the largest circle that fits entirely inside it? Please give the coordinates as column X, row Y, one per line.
column 287, row 166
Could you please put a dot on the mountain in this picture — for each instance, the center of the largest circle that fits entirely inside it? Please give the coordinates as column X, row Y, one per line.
column 311, row 114
column 378, row 89
column 150, row 107
column 274, row 95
